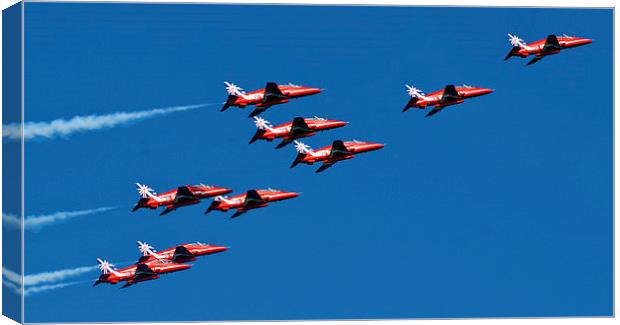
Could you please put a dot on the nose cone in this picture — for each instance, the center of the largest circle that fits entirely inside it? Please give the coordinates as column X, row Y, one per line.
column 226, row 190
column 485, row 91
column 585, row 41
column 338, row 124
column 312, row 91
column 371, row 147
column 377, row 146
column 290, row 195
column 217, row 249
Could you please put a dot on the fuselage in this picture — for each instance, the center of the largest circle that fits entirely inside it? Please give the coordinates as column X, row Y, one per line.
column 354, row 147
column 167, row 198
column 127, row 273
column 237, row 202
column 256, row 97
column 283, row 131
column 435, row 98
column 536, row 48
column 194, row 249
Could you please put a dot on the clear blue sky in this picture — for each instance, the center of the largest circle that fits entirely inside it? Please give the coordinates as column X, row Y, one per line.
column 501, row 206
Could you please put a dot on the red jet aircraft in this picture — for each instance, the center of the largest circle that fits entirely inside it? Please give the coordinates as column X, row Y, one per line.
column 551, row 45
column 330, row 155
column 252, row 199
column 299, row 128
column 450, row 95
column 262, row 99
column 182, row 196
column 180, row 254
column 139, row 272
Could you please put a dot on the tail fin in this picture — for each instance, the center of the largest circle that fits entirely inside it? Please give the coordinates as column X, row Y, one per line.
column 147, row 250
column 107, row 267
column 512, row 52
column 414, row 92
column 303, row 148
column 146, row 192
column 229, row 101
column 410, row 104
column 234, row 92
column 517, row 43
column 298, row 159
column 140, row 204
column 221, row 198
column 261, row 123
column 233, row 89
column 215, row 204
column 257, row 136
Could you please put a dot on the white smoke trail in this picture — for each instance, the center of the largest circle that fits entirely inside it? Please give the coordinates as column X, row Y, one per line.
column 44, row 281
column 48, row 287
column 13, row 277
column 16, row 288
column 56, row 276
column 38, row 221
column 45, row 277
column 9, row 219
column 62, row 127
column 28, row 291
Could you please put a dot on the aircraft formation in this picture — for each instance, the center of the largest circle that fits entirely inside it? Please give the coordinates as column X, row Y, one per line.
column 452, row 95
column 192, row 194
column 152, row 264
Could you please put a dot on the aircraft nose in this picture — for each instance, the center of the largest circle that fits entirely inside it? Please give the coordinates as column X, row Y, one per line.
column 376, row 146
column 586, row 41
column 485, row 91
column 220, row 248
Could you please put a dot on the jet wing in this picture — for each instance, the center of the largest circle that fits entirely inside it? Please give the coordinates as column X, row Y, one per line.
column 253, row 198
column 339, row 150
column 534, row 60
column 435, row 110
column 551, row 44
column 273, row 93
column 142, row 272
column 259, row 110
column 450, row 94
column 184, row 194
column 324, row 167
column 299, row 126
column 238, row 213
column 180, row 252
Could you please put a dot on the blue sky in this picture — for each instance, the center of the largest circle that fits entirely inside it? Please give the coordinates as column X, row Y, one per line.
column 501, row 206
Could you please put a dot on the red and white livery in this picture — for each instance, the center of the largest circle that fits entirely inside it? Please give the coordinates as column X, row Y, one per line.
column 182, row 196
column 299, row 128
column 139, row 272
column 252, row 199
column 180, row 253
column 450, row 95
column 551, row 45
column 337, row 151
column 262, row 99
